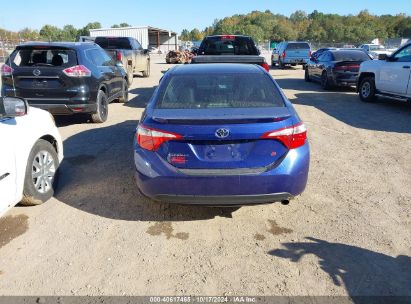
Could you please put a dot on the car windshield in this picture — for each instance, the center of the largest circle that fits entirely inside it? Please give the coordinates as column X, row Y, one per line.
column 350, row 56
column 298, row 46
column 376, row 48
column 219, row 91
column 40, row 56
column 228, row 45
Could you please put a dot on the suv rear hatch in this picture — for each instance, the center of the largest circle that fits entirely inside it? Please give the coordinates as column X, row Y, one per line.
column 38, row 73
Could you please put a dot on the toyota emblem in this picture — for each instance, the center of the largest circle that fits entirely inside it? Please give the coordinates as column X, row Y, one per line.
column 36, row 72
column 222, row 133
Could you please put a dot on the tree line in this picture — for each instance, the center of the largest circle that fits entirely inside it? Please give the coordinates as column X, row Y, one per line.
column 53, row 33
column 316, row 27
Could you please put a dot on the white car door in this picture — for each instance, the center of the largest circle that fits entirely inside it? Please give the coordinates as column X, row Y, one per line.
column 7, row 165
column 395, row 73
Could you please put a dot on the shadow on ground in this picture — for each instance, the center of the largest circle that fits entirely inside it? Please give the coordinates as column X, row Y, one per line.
column 142, row 97
column 362, row 272
column 342, row 104
column 100, row 179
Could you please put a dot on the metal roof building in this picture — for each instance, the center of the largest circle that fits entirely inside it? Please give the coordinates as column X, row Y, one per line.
column 148, row 36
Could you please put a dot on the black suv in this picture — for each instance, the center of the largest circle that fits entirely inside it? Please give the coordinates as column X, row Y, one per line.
column 65, row 78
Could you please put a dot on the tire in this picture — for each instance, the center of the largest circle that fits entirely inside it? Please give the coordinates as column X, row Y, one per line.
column 146, row 73
column 41, row 172
column 281, row 65
column 124, row 97
column 307, row 76
column 130, row 77
column 102, row 108
column 325, row 82
column 366, row 89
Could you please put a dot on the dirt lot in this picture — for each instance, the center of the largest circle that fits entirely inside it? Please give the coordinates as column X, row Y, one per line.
column 348, row 234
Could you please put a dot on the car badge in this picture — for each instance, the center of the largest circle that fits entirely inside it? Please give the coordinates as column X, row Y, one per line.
column 36, row 72
column 222, row 133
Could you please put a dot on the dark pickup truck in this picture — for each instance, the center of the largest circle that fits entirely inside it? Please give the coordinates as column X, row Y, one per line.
column 229, row 49
column 129, row 52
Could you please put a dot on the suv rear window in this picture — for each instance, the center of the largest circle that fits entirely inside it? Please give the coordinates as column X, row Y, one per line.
column 114, row 43
column 219, row 91
column 228, row 45
column 51, row 57
column 298, row 46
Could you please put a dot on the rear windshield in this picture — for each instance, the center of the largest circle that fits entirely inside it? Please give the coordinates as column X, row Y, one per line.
column 51, row 57
column 219, row 91
column 228, row 45
column 298, row 46
column 350, row 56
column 114, row 43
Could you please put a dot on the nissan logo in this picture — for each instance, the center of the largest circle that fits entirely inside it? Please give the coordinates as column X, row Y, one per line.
column 222, row 133
column 36, row 72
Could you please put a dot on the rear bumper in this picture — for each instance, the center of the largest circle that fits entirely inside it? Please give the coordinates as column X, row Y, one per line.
column 160, row 181
column 65, row 109
column 345, row 79
column 295, row 61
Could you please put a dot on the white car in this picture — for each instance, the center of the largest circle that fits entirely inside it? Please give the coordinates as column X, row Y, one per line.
column 30, row 153
column 375, row 50
column 388, row 77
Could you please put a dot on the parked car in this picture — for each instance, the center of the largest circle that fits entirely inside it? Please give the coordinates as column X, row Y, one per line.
column 129, row 53
column 291, row 53
column 229, row 49
column 220, row 134
column 375, row 50
column 388, row 77
column 65, row 78
column 28, row 166
column 336, row 67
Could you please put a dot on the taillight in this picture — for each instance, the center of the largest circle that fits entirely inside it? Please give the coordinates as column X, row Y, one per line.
column 283, row 54
column 152, row 139
column 119, row 56
column 347, row 67
column 266, row 66
column 309, row 54
column 292, row 137
column 6, row 70
column 227, row 37
column 77, row 71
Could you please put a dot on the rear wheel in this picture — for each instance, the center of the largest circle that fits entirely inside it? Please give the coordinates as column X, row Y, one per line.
column 307, row 76
column 146, row 73
column 40, row 174
column 102, row 108
column 124, row 97
column 367, row 89
column 281, row 65
column 325, row 82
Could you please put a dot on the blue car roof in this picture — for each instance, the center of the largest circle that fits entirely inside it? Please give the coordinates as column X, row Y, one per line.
column 216, row 68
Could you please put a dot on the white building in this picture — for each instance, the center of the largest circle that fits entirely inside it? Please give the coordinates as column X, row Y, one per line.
column 148, row 36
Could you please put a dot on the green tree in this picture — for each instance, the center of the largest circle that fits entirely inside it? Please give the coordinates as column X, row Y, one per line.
column 195, row 35
column 69, row 33
column 85, row 31
column 50, row 33
column 185, row 35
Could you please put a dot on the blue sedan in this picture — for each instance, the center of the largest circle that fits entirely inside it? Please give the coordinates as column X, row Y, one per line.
column 220, row 134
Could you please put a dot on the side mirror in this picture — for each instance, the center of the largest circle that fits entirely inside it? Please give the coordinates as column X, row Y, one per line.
column 13, row 107
column 382, row 57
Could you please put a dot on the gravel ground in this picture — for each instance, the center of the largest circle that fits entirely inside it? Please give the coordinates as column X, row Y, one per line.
column 348, row 234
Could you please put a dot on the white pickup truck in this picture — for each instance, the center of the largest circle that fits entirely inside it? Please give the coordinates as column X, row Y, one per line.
column 387, row 77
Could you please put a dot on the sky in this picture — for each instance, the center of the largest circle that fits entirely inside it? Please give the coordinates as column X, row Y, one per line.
column 16, row 15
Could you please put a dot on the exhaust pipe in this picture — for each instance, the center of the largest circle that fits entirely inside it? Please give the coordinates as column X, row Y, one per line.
column 285, row 202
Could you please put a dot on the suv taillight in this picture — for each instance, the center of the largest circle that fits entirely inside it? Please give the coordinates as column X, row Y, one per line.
column 119, row 56
column 283, row 54
column 6, row 70
column 292, row 137
column 152, row 139
column 77, row 71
